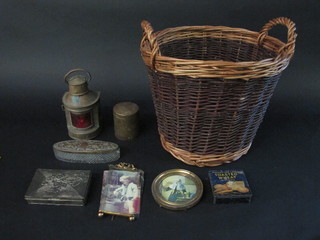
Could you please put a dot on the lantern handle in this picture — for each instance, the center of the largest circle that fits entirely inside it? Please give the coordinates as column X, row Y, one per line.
column 80, row 70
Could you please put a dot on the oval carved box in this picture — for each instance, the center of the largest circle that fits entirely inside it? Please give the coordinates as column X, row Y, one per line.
column 86, row 151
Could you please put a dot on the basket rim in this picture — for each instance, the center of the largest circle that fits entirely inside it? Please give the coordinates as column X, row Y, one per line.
column 276, row 43
column 246, row 70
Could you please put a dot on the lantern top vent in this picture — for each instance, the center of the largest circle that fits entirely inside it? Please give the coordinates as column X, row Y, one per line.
column 78, row 79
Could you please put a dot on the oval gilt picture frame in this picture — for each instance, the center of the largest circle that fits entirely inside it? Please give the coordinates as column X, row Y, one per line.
column 177, row 189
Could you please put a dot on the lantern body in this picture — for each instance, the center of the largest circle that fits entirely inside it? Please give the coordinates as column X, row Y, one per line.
column 81, row 107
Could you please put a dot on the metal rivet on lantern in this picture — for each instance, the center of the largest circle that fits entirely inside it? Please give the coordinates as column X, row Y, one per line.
column 81, row 106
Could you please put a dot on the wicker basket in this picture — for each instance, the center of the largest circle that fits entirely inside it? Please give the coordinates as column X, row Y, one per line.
column 211, row 86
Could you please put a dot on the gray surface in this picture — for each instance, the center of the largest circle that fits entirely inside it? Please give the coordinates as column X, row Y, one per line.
column 41, row 40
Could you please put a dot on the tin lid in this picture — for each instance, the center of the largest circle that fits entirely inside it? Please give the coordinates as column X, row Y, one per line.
column 125, row 109
column 85, row 146
column 86, row 151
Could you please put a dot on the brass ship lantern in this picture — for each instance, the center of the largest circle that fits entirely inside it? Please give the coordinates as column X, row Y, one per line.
column 81, row 106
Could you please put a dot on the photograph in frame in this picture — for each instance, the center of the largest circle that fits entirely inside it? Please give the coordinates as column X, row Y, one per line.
column 121, row 193
column 177, row 189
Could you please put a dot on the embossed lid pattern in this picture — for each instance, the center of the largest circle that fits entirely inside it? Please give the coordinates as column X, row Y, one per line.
column 85, row 146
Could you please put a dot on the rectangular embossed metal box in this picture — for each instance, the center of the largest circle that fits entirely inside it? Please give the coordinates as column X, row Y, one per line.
column 59, row 187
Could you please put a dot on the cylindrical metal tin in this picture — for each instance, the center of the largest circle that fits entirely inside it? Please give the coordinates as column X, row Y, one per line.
column 126, row 120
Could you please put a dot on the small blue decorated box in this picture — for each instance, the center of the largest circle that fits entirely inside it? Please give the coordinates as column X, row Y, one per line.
column 229, row 186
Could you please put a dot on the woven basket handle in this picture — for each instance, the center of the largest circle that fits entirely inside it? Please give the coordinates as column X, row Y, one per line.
column 151, row 37
column 288, row 48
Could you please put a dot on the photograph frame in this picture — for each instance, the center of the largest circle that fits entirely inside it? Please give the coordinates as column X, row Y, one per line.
column 163, row 183
column 117, row 198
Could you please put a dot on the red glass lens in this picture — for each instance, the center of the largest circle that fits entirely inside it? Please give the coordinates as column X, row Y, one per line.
column 81, row 120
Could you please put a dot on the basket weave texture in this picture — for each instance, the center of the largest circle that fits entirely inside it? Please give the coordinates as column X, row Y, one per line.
column 211, row 86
